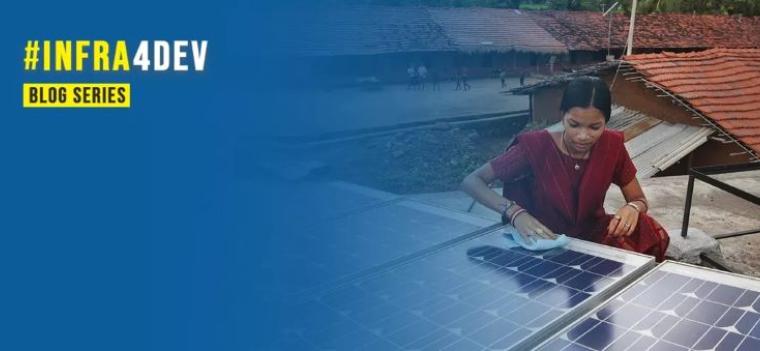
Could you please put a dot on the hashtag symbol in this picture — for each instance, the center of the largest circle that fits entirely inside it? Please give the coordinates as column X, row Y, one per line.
column 32, row 50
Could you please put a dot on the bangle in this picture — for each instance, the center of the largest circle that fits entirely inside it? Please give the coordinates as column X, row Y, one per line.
column 504, row 207
column 635, row 207
column 643, row 202
column 514, row 215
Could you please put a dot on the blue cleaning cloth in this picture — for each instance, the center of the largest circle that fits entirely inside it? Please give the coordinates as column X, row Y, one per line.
column 534, row 243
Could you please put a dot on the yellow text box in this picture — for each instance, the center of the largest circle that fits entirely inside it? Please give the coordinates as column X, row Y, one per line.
column 77, row 95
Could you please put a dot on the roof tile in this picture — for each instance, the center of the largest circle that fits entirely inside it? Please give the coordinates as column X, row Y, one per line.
column 723, row 84
column 488, row 29
column 583, row 30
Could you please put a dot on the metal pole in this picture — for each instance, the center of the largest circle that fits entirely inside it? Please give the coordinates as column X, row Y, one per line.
column 630, row 28
column 609, row 27
column 687, row 208
column 735, row 234
column 609, row 38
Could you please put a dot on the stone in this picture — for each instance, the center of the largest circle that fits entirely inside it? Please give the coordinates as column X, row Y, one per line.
column 688, row 249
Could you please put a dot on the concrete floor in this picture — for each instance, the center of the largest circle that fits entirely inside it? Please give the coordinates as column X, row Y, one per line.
column 713, row 211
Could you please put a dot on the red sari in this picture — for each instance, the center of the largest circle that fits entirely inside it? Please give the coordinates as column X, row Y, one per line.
column 536, row 175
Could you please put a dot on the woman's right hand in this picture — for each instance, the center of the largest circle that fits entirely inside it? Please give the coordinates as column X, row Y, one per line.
column 528, row 226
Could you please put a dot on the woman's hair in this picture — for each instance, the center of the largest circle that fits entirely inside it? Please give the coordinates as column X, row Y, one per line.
column 587, row 92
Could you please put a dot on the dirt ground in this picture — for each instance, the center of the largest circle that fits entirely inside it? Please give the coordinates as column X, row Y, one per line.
column 421, row 161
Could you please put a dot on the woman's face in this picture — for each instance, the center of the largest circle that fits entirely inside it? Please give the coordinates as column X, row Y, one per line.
column 583, row 127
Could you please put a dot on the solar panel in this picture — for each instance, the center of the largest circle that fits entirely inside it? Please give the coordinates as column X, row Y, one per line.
column 472, row 295
column 335, row 249
column 674, row 307
column 329, row 200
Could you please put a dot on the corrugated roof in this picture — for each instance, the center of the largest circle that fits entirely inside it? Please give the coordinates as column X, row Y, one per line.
column 622, row 118
column 562, row 78
column 721, row 84
column 489, row 29
column 663, row 145
column 582, row 30
column 632, row 123
column 653, row 145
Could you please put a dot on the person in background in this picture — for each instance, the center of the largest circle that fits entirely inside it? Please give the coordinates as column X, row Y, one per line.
column 412, row 75
column 422, row 74
column 463, row 77
column 435, row 80
column 458, row 78
column 556, row 182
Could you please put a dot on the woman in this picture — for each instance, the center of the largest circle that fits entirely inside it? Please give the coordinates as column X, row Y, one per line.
column 555, row 182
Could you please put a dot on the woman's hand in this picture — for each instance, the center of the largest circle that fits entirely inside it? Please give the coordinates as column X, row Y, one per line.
column 624, row 222
column 528, row 226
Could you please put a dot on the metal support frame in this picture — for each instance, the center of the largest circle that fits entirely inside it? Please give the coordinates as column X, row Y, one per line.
column 715, row 263
column 704, row 174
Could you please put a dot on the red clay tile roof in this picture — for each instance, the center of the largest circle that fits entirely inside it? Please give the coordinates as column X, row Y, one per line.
column 364, row 30
column 486, row 29
column 581, row 30
column 374, row 29
column 723, row 84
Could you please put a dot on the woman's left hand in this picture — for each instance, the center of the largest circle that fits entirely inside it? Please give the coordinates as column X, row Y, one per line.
column 624, row 222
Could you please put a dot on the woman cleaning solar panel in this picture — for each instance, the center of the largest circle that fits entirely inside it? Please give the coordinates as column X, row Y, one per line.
column 555, row 182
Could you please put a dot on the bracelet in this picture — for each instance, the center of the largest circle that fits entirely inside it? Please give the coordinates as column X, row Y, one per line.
column 514, row 215
column 635, row 207
column 504, row 207
column 643, row 201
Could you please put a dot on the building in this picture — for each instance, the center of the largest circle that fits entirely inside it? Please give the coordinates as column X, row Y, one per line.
column 352, row 42
column 347, row 43
column 679, row 109
column 589, row 36
column 717, row 88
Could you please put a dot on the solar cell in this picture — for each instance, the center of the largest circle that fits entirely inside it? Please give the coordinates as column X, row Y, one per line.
column 334, row 250
column 472, row 295
column 674, row 307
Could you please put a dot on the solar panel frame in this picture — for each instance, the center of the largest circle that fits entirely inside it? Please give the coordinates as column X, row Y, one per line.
column 599, row 250
column 639, row 263
column 697, row 322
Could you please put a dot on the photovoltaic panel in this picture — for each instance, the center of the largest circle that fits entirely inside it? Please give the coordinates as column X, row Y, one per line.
column 474, row 295
column 335, row 230
column 674, row 307
column 339, row 248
